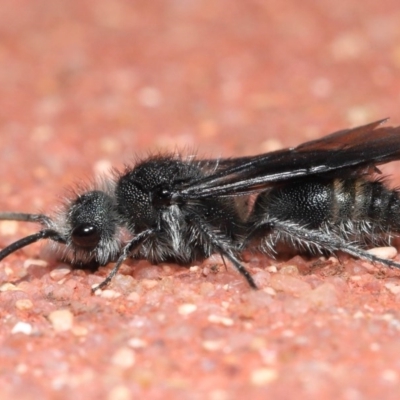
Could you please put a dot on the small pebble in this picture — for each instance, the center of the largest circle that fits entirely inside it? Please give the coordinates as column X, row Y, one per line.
column 225, row 304
column 109, row 294
column 59, row 273
column 248, row 325
column 37, row 263
column 119, row 393
column 206, row 288
column 149, row 283
column 288, row 284
column 390, row 375
column 21, row 368
column 134, row 297
column 288, row 333
column 217, row 319
column 387, row 317
column 6, row 287
column 383, row 252
column 261, row 278
column 358, row 315
column 271, row 291
column 79, row 330
column 22, row 327
column 219, row 394
column 263, row 376
column 289, row 270
column 392, row 287
column 186, row 309
column 23, row 304
column 212, row 345
column 62, row 320
column 124, row 357
column 137, row 343
column 167, row 269
column 333, row 260
column 324, row 295
column 8, row 228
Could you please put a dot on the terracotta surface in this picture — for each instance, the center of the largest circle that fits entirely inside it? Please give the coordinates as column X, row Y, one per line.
column 85, row 85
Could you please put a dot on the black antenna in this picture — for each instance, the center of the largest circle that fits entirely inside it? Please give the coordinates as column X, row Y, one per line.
column 16, row 216
column 19, row 244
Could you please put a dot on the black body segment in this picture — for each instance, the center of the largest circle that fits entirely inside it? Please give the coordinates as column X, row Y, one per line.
column 315, row 202
column 356, row 211
column 146, row 201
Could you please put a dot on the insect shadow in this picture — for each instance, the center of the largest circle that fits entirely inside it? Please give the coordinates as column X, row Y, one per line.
column 321, row 195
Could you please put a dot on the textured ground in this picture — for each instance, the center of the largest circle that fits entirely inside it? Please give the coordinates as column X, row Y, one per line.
column 86, row 85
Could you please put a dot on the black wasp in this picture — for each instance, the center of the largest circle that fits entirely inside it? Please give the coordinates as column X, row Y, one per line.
column 321, row 195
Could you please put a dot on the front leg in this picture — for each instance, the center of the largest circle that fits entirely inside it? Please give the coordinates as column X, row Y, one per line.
column 126, row 253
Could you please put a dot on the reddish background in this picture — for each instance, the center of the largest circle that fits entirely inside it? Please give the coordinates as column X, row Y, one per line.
column 87, row 84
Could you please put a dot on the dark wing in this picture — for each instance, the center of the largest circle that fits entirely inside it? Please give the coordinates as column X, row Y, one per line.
column 357, row 149
column 347, row 137
column 218, row 165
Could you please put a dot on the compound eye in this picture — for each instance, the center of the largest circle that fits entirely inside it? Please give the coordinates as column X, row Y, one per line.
column 86, row 236
column 161, row 197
